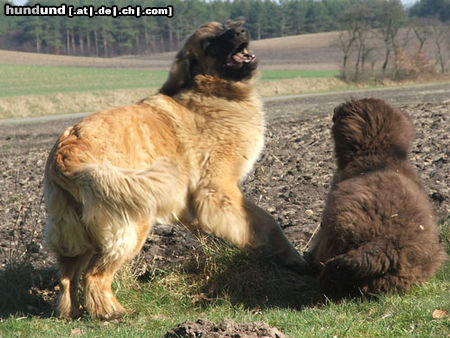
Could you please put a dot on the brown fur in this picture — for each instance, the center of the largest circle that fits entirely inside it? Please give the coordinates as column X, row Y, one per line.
column 377, row 232
column 176, row 156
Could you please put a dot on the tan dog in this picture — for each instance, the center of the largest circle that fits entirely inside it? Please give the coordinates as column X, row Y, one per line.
column 377, row 232
column 179, row 155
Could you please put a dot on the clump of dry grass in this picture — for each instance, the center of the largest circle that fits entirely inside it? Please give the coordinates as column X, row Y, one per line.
column 251, row 278
column 298, row 86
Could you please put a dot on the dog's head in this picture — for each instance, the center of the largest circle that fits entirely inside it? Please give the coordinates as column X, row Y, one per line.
column 219, row 50
column 370, row 127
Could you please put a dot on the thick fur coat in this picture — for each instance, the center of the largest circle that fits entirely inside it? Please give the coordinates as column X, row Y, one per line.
column 377, row 233
column 178, row 156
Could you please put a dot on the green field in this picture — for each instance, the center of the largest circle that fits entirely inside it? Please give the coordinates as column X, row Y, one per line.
column 22, row 80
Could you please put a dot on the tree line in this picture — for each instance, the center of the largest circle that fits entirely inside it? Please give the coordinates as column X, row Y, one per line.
column 375, row 29
column 107, row 36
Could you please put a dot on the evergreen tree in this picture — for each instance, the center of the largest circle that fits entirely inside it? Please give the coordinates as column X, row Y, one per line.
column 432, row 9
column 107, row 36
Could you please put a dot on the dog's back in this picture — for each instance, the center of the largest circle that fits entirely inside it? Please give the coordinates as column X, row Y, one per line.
column 378, row 233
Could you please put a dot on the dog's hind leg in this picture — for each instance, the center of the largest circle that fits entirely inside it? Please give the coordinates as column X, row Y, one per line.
column 224, row 212
column 355, row 271
column 100, row 300
column 65, row 235
column 70, row 270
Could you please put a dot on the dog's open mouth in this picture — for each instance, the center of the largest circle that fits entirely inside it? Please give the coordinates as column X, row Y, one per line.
column 241, row 56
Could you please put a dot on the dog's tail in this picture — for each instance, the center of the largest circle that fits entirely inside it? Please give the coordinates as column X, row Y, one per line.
column 101, row 199
column 124, row 193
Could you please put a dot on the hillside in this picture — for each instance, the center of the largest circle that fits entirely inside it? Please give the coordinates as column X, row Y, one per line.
column 307, row 51
column 316, row 51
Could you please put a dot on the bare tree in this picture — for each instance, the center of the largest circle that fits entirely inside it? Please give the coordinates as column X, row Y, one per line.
column 422, row 30
column 364, row 50
column 440, row 32
column 391, row 17
column 354, row 39
column 345, row 43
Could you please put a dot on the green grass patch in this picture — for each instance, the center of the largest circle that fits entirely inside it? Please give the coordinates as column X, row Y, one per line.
column 22, row 80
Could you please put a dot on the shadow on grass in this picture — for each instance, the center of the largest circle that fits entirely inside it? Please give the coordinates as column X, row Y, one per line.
column 252, row 279
column 256, row 281
column 26, row 291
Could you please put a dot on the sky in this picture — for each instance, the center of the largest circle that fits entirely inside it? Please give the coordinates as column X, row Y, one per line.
column 408, row 3
column 405, row 2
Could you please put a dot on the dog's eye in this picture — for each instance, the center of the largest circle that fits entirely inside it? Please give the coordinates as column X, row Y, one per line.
column 335, row 115
column 211, row 48
column 335, row 118
column 205, row 44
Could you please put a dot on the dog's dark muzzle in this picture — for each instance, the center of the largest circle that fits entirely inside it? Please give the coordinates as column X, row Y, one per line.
column 237, row 39
column 238, row 35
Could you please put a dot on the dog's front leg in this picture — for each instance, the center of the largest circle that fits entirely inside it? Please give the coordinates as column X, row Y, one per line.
column 224, row 212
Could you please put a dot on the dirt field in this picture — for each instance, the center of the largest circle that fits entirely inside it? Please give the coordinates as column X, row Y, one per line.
column 290, row 180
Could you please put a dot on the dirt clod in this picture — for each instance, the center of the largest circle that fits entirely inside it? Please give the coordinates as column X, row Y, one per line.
column 227, row 328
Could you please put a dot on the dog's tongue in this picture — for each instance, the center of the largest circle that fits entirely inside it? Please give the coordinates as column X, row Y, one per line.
column 242, row 57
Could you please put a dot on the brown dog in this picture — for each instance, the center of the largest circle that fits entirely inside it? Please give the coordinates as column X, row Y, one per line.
column 177, row 156
column 377, row 232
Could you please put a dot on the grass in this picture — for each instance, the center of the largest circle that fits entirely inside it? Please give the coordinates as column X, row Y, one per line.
column 224, row 283
column 21, row 80
column 30, row 91
column 47, row 90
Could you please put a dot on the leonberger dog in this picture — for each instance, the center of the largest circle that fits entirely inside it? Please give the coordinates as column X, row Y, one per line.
column 177, row 156
column 377, row 232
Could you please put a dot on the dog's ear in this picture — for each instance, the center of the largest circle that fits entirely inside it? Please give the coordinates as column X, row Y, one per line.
column 180, row 75
column 239, row 21
column 337, row 112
